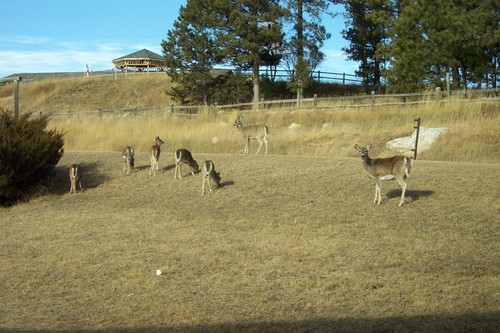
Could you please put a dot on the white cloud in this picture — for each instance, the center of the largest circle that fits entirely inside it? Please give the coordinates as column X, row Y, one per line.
column 24, row 54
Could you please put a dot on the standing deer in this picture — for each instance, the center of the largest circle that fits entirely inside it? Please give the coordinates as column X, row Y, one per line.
column 386, row 168
column 155, row 155
column 128, row 159
column 183, row 156
column 209, row 173
column 255, row 132
column 75, row 177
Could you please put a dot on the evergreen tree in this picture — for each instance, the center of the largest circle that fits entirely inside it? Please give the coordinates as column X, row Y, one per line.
column 303, row 47
column 221, row 32
column 367, row 24
column 433, row 37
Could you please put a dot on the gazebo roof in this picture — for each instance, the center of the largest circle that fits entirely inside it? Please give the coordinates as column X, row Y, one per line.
column 144, row 59
column 142, row 54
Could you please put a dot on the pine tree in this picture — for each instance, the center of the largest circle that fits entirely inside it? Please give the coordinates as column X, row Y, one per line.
column 433, row 37
column 303, row 47
column 366, row 30
column 221, row 32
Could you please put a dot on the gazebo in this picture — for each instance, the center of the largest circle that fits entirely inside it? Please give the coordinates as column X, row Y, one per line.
column 143, row 60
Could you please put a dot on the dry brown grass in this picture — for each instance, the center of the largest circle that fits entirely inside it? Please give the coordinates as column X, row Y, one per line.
column 288, row 244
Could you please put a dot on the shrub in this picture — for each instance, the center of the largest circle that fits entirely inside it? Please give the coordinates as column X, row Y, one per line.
column 28, row 155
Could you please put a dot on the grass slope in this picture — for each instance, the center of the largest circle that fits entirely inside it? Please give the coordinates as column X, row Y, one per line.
column 288, row 243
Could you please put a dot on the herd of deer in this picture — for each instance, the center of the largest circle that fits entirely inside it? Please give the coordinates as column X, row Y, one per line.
column 397, row 167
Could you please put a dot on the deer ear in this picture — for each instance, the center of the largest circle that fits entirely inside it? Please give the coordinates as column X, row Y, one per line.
column 356, row 147
column 368, row 147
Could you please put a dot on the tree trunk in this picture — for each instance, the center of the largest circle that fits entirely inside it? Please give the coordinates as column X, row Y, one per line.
column 256, row 85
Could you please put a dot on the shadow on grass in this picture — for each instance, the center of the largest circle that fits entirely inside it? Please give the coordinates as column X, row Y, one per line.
column 472, row 322
column 226, row 183
column 413, row 194
column 91, row 177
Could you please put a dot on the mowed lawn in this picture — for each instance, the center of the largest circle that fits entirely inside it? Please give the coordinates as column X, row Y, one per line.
column 287, row 244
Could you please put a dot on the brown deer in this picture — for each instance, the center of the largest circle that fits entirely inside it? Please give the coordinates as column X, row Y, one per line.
column 128, row 159
column 155, row 155
column 386, row 168
column 184, row 156
column 75, row 177
column 209, row 173
column 255, row 132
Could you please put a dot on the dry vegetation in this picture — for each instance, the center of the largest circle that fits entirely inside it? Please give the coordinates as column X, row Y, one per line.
column 288, row 244
column 291, row 242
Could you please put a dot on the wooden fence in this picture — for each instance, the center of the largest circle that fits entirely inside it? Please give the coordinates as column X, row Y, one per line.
column 307, row 104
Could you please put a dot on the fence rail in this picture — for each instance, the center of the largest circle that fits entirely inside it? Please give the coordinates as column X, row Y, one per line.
column 307, row 104
column 278, row 75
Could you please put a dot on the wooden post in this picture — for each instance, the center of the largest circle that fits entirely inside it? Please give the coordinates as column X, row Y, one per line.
column 16, row 81
column 417, row 127
column 16, row 97
column 438, row 94
column 373, row 100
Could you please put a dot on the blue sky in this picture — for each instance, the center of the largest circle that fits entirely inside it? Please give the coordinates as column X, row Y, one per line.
column 64, row 35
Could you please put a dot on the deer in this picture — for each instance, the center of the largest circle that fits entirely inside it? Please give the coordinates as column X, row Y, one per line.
column 155, row 155
column 75, row 177
column 209, row 173
column 184, row 156
column 128, row 159
column 255, row 132
column 384, row 169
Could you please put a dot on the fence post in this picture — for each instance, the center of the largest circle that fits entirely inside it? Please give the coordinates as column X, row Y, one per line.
column 417, row 127
column 343, row 79
column 16, row 97
column 262, row 103
column 171, row 108
column 16, row 81
column 373, row 100
column 438, row 94
column 315, row 101
column 319, row 76
column 448, row 84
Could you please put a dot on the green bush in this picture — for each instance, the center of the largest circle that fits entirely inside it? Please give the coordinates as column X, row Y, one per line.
column 28, row 155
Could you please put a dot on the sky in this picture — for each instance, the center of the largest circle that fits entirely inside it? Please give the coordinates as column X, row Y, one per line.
column 65, row 35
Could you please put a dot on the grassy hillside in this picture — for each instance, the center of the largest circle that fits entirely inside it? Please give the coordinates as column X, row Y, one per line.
column 95, row 93
column 288, row 244
column 473, row 136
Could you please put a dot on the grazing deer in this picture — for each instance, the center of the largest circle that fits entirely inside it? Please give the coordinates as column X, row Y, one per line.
column 386, row 168
column 75, row 177
column 155, row 155
column 128, row 159
column 255, row 132
column 209, row 173
column 183, row 156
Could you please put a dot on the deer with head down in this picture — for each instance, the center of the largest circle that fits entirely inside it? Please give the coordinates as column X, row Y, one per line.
column 184, row 156
column 209, row 174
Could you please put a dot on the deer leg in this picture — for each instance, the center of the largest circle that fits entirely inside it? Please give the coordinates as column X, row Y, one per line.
column 203, row 186
column 403, row 184
column 260, row 145
column 265, row 141
column 247, row 143
column 378, row 191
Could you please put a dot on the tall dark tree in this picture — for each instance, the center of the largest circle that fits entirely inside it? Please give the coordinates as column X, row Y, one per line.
column 367, row 24
column 223, row 32
column 433, row 37
column 303, row 48
column 190, row 53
